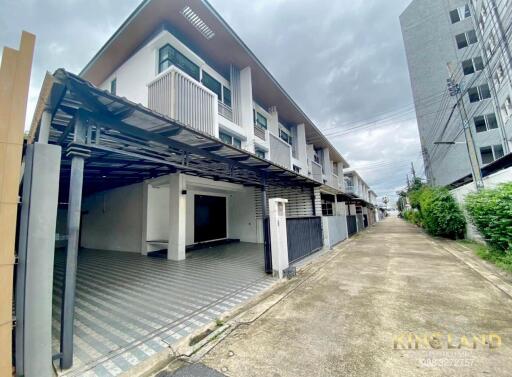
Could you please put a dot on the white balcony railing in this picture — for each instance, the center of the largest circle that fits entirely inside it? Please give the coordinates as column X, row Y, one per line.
column 225, row 111
column 316, row 171
column 177, row 95
column 280, row 152
column 334, row 181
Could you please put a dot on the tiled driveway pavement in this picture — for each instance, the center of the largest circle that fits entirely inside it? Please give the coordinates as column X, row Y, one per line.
column 129, row 307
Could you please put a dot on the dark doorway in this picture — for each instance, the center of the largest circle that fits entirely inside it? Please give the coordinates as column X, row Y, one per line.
column 209, row 218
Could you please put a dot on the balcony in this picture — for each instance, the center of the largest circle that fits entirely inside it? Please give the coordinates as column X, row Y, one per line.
column 280, row 152
column 316, row 171
column 334, row 181
column 225, row 111
column 178, row 96
column 260, row 132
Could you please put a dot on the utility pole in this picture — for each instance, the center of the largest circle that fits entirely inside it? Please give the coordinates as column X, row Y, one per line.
column 454, row 90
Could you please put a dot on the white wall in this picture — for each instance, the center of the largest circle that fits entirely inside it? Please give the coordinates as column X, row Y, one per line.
column 113, row 219
column 157, row 213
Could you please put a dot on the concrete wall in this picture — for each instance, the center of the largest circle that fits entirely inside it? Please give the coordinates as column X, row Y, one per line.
column 157, row 213
column 112, row 220
column 491, row 181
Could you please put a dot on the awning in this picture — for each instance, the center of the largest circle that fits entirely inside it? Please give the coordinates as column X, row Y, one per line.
column 128, row 143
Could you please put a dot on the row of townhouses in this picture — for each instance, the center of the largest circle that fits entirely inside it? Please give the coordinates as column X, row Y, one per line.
column 468, row 41
column 184, row 174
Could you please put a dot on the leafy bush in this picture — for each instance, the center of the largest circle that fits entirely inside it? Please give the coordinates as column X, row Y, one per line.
column 413, row 216
column 491, row 212
column 440, row 213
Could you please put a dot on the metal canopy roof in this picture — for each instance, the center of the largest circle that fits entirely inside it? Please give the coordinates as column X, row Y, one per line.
column 128, row 143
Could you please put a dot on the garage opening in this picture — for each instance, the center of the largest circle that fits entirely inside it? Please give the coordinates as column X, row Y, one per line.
column 209, row 218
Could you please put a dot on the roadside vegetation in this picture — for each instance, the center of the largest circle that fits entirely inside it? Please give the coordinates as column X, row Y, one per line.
column 434, row 209
column 490, row 211
column 501, row 259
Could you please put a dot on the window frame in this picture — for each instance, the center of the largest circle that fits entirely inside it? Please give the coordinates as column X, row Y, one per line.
column 113, row 86
column 229, row 139
column 207, row 80
column 257, row 120
column 260, row 153
column 478, row 90
column 177, row 54
column 486, row 125
column 469, row 39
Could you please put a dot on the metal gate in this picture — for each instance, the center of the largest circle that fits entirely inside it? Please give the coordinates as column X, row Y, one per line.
column 304, row 237
column 351, row 225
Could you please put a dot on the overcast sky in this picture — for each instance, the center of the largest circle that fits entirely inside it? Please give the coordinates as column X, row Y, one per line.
column 342, row 61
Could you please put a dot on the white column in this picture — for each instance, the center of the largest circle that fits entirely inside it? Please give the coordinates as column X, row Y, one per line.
column 177, row 217
column 302, row 153
column 246, row 106
column 278, row 236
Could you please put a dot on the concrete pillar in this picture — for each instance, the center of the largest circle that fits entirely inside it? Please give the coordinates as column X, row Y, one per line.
column 302, row 153
column 36, row 250
column 44, row 129
column 273, row 121
column 177, row 217
column 246, row 114
column 278, row 236
column 327, row 163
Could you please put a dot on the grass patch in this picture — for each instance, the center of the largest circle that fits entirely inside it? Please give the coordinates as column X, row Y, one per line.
column 501, row 259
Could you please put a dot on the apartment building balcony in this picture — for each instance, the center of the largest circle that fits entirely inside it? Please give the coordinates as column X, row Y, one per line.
column 316, row 171
column 334, row 181
column 280, row 152
column 176, row 95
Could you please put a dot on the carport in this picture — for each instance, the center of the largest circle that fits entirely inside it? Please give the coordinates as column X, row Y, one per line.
column 113, row 307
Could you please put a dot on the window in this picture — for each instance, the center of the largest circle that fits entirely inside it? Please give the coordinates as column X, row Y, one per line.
column 472, row 65
column 168, row 56
column 506, row 108
column 459, row 14
column 260, row 120
column 260, row 153
column 113, row 86
column 296, row 169
column 466, row 39
column 485, row 122
column 490, row 154
column 327, row 208
column 231, row 140
column 226, row 96
column 479, row 93
column 285, row 134
column 499, row 75
column 212, row 84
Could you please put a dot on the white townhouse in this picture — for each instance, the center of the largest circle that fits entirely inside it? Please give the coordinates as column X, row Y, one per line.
column 170, row 145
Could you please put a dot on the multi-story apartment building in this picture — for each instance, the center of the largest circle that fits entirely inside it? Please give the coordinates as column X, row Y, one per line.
column 468, row 41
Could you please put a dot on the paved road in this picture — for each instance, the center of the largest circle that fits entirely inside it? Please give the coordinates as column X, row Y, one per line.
column 343, row 319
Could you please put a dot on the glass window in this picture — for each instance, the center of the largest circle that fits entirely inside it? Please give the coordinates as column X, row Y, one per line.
column 473, row 95
column 227, row 96
column 498, row 151
column 467, row 11
column 479, row 63
column 467, row 67
column 480, row 124
column 461, row 40
column 113, row 86
column 327, row 208
column 484, row 91
column 486, row 154
column 225, row 137
column 491, row 121
column 260, row 153
column 212, row 84
column 471, row 35
column 454, row 16
column 237, row 143
column 261, row 120
column 168, row 56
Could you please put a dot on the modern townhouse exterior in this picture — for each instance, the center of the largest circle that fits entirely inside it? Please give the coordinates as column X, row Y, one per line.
column 469, row 41
column 178, row 150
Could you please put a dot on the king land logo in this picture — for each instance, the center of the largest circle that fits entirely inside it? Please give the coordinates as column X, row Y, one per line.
column 439, row 341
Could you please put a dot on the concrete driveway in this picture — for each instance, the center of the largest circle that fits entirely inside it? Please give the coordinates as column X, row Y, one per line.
column 352, row 306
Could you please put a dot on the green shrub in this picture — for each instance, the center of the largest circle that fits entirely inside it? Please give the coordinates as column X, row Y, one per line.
column 440, row 214
column 491, row 212
column 413, row 216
